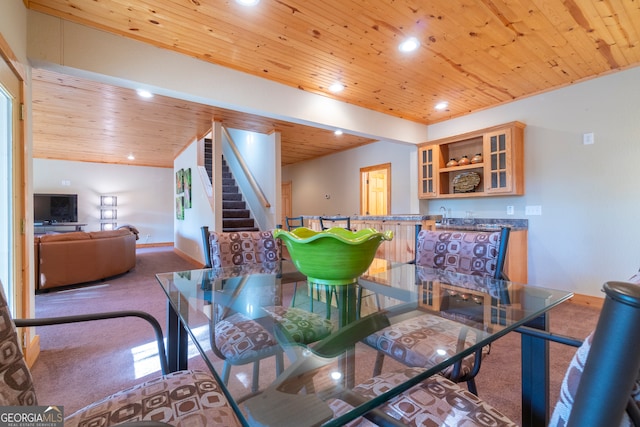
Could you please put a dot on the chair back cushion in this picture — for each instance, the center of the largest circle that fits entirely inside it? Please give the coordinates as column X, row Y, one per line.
column 16, row 383
column 467, row 252
column 243, row 248
column 571, row 380
column 569, row 387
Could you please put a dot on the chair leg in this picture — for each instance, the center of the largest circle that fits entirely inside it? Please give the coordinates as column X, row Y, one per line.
column 377, row 367
column 329, row 298
column 279, row 363
column 471, row 385
column 293, row 298
column 255, row 382
column 226, row 372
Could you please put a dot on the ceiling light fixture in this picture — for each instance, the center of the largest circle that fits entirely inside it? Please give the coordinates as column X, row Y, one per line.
column 336, row 87
column 248, row 2
column 144, row 93
column 131, row 157
column 441, row 106
column 409, row 45
column 338, row 132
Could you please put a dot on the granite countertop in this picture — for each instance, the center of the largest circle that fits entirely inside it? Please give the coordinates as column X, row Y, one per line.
column 393, row 217
column 482, row 224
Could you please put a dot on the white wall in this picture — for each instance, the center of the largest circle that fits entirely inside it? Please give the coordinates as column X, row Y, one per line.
column 338, row 175
column 188, row 235
column 588, row 231
column 144, row 193
column 258, row 151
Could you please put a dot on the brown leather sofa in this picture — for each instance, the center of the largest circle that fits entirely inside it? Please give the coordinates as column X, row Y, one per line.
column 70, row 258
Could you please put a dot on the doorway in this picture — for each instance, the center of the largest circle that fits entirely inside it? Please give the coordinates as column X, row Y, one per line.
column 10, row 196
column 286, row 202
column 375, row 190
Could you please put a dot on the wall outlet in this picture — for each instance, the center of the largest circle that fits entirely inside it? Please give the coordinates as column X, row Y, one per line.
column 533, row 210
column 588, row 138
column 510, row 210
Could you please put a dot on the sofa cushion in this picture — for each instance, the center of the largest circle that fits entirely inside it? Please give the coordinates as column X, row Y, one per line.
column 65, row 237
column 108, row 233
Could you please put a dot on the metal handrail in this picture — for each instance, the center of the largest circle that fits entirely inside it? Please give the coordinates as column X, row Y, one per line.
column 252, row 181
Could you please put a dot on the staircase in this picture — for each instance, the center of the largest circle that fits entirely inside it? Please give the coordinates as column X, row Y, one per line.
column 235, row 215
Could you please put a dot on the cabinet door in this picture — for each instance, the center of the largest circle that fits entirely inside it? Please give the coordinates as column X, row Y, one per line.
column 498, row 161
column 427, row 173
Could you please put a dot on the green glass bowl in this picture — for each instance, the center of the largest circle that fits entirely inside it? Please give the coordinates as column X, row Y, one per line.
column 335, row 256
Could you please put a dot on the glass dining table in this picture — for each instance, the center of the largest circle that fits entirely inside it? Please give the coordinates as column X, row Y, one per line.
column 317, row 374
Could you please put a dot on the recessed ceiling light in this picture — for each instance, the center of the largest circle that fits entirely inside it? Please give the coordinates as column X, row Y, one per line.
column 248, row 2
column 337, row 132
column 336, row 87
column 409, row 45
column 131, row 157
column 144, row 93
column 441, row 106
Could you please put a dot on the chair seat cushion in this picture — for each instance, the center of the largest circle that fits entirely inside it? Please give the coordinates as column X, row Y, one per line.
column 424, row 341
column 434, row 402
column 301, row 325
column 185, row 398
column 238, row 338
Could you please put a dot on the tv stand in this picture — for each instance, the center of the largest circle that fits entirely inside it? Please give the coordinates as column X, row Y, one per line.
column 58, row 227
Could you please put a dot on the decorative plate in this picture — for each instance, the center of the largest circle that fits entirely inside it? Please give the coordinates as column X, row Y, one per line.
column 466, row 182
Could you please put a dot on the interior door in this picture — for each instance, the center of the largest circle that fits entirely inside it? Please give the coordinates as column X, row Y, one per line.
column 286, row 201
column 375, row 194
column 11, row 190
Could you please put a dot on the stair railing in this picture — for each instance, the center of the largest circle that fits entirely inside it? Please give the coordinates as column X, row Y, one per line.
column 252, row 181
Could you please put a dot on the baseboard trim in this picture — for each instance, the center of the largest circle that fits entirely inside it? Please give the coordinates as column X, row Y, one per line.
column 153, row 245
column 188, row 257
column 587, row 300
column 32, row 351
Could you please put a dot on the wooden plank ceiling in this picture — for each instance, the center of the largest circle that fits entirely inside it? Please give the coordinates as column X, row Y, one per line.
column 83, row 120
column 473, row 55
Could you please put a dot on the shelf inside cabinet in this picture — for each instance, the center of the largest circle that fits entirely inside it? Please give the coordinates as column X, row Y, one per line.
column 447, row 179
column 461, row 168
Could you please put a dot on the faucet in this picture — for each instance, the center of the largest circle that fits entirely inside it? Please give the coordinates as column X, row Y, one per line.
column 443, row 210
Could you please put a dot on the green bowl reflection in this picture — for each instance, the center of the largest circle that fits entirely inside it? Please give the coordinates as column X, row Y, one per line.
column 335, row 256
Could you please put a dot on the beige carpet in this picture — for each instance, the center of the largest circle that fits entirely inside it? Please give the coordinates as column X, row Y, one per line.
column 84, row 362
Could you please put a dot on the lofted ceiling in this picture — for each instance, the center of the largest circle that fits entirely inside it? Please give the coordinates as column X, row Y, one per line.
column 473, row 55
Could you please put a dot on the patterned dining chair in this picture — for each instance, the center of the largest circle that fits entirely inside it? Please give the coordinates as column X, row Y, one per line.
column 181, row 398
column 414, row 341
column 240, row 338
column 294, row 222
column 599, row 380
column 326, row 222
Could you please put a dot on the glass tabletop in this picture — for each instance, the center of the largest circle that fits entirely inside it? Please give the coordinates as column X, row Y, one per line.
column 314, row 343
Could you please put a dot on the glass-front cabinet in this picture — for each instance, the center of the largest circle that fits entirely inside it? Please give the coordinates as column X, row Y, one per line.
column 426, row 166
column 487, row 162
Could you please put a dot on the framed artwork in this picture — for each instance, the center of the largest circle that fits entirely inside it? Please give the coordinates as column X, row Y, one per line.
column 180, row 181
column 186, row 182
column 180, row 207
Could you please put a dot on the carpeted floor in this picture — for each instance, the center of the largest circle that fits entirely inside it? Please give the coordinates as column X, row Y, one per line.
column 82, row 363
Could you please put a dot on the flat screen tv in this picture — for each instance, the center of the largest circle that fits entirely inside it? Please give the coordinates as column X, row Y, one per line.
column 52, row 208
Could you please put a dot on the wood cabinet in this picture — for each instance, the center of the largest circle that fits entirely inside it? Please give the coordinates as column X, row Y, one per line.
column 500, row 172
column 402, row 247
